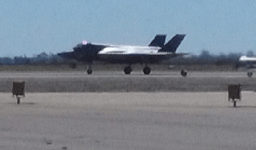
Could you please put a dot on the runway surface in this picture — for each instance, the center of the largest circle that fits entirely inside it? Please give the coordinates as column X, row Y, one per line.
column 116, row 81
column 119, row 74
column 114, row 121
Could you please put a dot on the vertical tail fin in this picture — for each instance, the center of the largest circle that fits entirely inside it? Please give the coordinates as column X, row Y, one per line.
column 173, row 44
column 159, row 40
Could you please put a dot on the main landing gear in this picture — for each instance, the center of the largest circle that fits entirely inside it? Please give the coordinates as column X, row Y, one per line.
column 146, row 70
column 128, row 70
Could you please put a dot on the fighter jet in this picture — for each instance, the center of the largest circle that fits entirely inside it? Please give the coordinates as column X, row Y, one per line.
column 155, row 52
column 249, row 62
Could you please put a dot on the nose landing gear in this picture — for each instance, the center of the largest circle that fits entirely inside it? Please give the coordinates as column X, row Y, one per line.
column 89, row 70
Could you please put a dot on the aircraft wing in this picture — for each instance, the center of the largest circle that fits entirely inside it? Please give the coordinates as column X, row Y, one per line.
column 68, row 55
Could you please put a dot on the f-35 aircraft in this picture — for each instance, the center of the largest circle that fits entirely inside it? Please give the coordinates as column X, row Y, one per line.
column 155, row 52
column 249, row 63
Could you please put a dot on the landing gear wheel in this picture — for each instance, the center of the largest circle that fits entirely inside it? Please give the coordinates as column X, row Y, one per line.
column 146, row 70
column 249, row 74
column 89, row 71
column 127, row 70
column 183, row 73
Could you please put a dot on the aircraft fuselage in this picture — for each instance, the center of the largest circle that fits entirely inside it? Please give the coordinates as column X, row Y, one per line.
column 132, row 54
column 249, row 62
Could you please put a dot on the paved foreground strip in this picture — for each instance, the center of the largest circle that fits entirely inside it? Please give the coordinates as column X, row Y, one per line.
column 135, row 120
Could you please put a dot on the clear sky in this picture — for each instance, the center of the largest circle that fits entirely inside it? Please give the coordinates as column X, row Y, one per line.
column 29, row 27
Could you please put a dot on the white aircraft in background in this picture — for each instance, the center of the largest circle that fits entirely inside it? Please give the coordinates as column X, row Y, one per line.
column 249, row 62
column 154, row 53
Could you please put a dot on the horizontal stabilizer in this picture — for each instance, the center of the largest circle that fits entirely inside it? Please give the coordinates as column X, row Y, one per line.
column 173, row 44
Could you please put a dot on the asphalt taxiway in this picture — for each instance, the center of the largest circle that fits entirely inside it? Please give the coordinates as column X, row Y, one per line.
column 110, row 110
column 114, row 121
